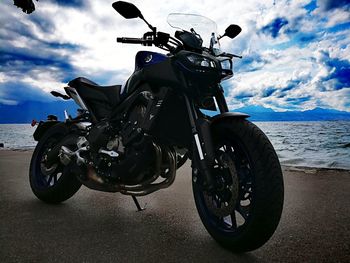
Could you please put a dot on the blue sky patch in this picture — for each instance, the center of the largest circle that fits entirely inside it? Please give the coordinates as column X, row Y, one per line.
column 8, row 59
column 44, row 24
column 269, row 91
column 297, row 101
column 340, row 71
column 244, row 95
column 332, row 4
column 311, row 6
column 339, row 27
column 291, row 85
column 274, row 27
column 19, row 92
column 250, row 63
column 70, row 3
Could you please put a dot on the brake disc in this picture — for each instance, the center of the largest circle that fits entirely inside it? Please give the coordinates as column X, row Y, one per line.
column 221, row 202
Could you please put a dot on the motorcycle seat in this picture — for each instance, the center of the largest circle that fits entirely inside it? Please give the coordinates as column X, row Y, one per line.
column 90, row 89
column 102, row 99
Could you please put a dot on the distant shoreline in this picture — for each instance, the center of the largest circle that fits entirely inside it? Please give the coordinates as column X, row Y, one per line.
column 252, row 120
column 312, row 169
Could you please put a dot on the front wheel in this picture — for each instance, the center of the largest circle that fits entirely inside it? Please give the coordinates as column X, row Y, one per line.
column 243, row 210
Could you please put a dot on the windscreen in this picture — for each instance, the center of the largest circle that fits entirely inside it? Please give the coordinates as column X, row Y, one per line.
column 202, row 25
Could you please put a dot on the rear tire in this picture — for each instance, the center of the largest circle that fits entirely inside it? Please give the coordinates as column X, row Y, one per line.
column 57, row 183
column 256, row 212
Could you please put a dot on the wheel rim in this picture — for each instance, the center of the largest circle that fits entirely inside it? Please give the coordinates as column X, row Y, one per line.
column 230, row 222
column 46, row 177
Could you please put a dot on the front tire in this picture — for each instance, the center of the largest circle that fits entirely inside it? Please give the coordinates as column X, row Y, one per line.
column 244, row 209
column 56, row 183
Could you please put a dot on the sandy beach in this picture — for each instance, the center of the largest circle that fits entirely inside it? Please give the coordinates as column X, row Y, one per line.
column 102, row 227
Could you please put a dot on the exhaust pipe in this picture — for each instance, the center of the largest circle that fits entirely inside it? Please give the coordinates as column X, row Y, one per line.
column 53, row 155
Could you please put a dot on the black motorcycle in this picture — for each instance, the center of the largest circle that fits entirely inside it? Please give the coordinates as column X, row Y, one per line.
column 131, row 139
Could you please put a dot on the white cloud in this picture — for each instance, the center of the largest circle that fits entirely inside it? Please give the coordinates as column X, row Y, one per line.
column 8, row 102
column 337, row 16
column 94, row 30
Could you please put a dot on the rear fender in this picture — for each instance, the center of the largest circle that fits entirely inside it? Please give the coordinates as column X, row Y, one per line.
column 42, row 128
column 51, row 128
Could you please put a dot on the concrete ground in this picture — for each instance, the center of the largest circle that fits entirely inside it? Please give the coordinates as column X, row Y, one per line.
column 102, row 227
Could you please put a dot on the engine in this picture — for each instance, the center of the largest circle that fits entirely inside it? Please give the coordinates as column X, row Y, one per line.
column 119, row 156
column 121, row 152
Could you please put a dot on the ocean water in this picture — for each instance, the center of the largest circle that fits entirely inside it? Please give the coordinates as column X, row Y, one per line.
column 17, row 136
column 310, row 144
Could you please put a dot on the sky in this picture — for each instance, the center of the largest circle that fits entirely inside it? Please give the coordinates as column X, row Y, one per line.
column 296, row 54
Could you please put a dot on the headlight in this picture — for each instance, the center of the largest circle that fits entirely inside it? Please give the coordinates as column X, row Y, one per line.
column 201, row 61
column 226, row 68
column 226, row 64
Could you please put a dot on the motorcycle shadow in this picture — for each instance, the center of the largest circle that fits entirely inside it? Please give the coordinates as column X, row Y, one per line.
column 104, row 227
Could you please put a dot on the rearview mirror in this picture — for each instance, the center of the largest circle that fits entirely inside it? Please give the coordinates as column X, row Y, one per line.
column 232, row 31
column 127, row 10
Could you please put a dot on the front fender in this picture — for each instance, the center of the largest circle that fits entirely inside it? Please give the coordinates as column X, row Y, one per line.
column 205, row 145
column 204, row 127
column 229, row 115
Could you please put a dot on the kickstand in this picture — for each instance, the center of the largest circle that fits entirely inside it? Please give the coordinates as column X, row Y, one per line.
column 139, row 208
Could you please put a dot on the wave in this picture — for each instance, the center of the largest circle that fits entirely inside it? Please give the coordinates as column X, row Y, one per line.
column 347, row 145
column 316, row 144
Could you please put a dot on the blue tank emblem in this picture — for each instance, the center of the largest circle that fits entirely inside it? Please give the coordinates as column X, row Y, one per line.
column 148, row 58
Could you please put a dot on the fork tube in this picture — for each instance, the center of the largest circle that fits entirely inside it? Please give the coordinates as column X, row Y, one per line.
column 220, row 99
column 199, row 144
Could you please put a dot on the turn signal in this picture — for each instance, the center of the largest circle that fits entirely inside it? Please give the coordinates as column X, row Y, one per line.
column 34, row 122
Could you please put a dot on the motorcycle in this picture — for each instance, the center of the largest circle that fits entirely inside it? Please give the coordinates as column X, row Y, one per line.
column 131, row 139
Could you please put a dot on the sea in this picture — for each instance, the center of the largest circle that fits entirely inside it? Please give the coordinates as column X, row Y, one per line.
column 324, row 144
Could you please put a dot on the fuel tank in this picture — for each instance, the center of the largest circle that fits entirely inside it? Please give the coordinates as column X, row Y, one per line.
column 152, row 68
column 148, row 58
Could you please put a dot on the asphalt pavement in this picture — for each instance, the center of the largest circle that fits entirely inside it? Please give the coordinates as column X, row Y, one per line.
column 104, row 227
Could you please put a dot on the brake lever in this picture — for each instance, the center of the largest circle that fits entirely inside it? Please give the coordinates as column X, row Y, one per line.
column 161, row 38
column 230, row 55
column 236, row 56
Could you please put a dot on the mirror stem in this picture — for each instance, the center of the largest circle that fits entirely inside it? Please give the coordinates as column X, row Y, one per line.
column 219, row 37
column 149, row 25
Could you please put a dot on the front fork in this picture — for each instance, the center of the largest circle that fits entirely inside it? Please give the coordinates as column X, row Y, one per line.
column 202, row 138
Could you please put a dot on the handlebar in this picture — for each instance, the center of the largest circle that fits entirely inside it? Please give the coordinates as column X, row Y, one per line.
column 131, row 40
column 145, row 41
column 159, row 39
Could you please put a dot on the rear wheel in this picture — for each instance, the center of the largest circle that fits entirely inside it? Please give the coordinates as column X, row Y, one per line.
column 245, row 206
column 55, row 183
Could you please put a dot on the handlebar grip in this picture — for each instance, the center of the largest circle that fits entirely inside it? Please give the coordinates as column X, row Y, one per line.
column 130, row 40
column 236, row 56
